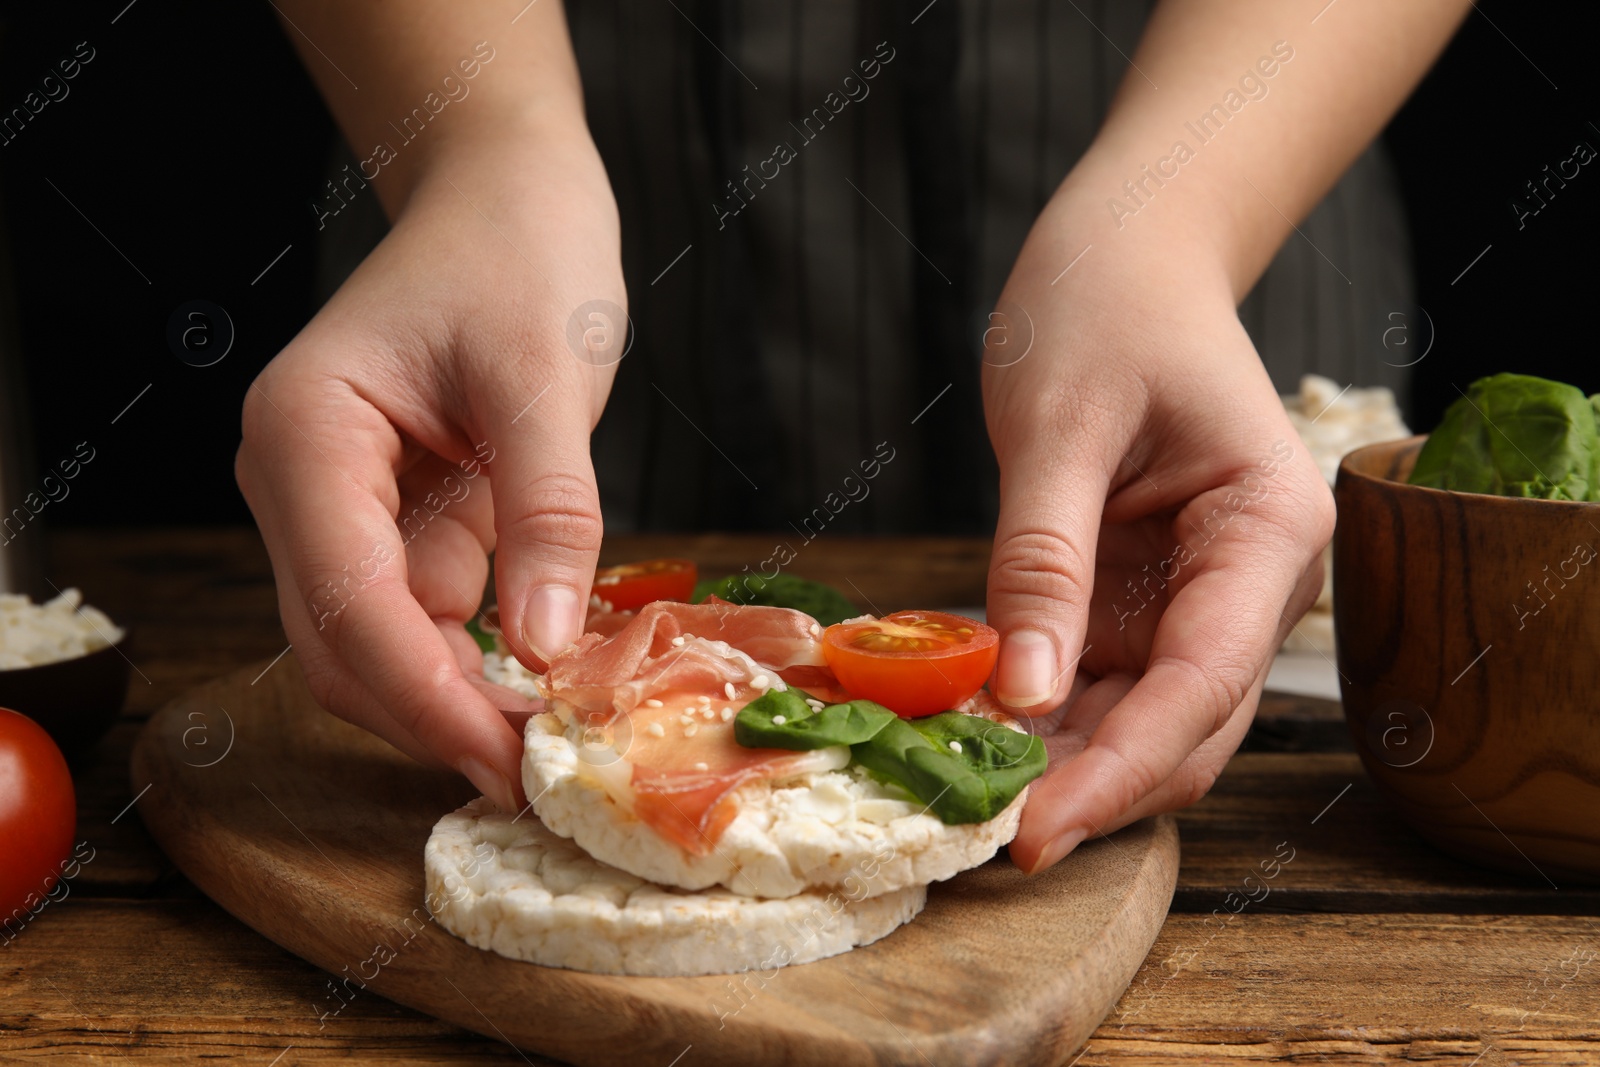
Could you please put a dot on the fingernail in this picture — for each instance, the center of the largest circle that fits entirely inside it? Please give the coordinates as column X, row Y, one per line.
column 552, row 620
column 1027, row 669
column 490, row 782
column 1057, row 849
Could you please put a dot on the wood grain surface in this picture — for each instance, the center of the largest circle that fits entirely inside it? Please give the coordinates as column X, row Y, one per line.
column 1372, row 946
column 311, row 831
column 180, row 982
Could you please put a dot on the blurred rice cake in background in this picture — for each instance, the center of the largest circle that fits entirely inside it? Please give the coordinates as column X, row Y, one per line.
column 1334, row 421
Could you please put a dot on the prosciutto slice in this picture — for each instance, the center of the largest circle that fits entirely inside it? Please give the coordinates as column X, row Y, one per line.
column 606, row 623
column 738, row 643
column 678, row 673
column 687, row 767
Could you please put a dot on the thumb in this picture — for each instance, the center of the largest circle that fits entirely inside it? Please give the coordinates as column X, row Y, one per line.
column 546, row 517
column 1041, row 573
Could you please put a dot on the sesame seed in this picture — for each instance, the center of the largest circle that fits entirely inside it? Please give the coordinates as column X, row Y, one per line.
column 761, row 681
column 779, row 720
column 727, row 687
column 677, row 642
column 708, row 712
column 815, row 704
column 703, row 699
column 685, row 720
column 605, row 605
column 652, row 703
column 655, row 730
column 700, row 767
column 692, row 729
column 727, row 714
column 595, row 601
column 955, row 746
column 687, row 636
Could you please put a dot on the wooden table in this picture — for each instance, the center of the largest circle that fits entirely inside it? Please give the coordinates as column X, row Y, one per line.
column 1368, row 946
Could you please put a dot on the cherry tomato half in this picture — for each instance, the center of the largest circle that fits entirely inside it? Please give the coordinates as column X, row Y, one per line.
column 914, row 663
column 38, row 813
column 633, row 585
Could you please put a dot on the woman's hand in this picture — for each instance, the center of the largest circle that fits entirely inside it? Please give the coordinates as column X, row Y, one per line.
column 439, row 405
column 1160, row 524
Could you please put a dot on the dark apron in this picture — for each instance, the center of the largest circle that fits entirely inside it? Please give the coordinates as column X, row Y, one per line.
column 820, row 204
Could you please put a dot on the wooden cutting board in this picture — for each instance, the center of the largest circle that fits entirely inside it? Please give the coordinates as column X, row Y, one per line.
column 311, row 831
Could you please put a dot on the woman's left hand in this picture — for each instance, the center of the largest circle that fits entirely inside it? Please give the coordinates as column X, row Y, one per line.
column 1161, row 524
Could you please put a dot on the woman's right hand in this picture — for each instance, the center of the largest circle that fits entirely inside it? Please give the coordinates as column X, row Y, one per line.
column 437, row 408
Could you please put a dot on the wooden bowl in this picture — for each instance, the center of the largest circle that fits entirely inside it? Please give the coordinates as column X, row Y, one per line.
column 1468, row 629
column 75, row 700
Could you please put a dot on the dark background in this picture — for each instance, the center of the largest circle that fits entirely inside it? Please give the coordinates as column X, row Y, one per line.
column 194, row 142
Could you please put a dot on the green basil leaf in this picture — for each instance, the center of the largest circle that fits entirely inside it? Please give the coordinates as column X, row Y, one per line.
column 821, row 601
column 971, row 785
column 485, row 640
column 1515, row 435
column 803, row 727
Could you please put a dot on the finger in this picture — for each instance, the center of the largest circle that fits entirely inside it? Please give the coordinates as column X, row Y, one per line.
column 446, row 534
column 467, row 651
column 350, row 699
column 1306, row 594
column 510, row 702
column 1199, row 771
column 321, row 668
column 432, row 487
column 1195, row 775
column 447, row 524
column 1191, row 781
column 547, row 518
column 339, row 691
column 1087, row 705
column 1210, row 652
column 333, row 498
column 1041, row 574
column 1091, row 702
column 1188, row 783
column 445, row 564
column 1053, row 722
column 470, row 656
